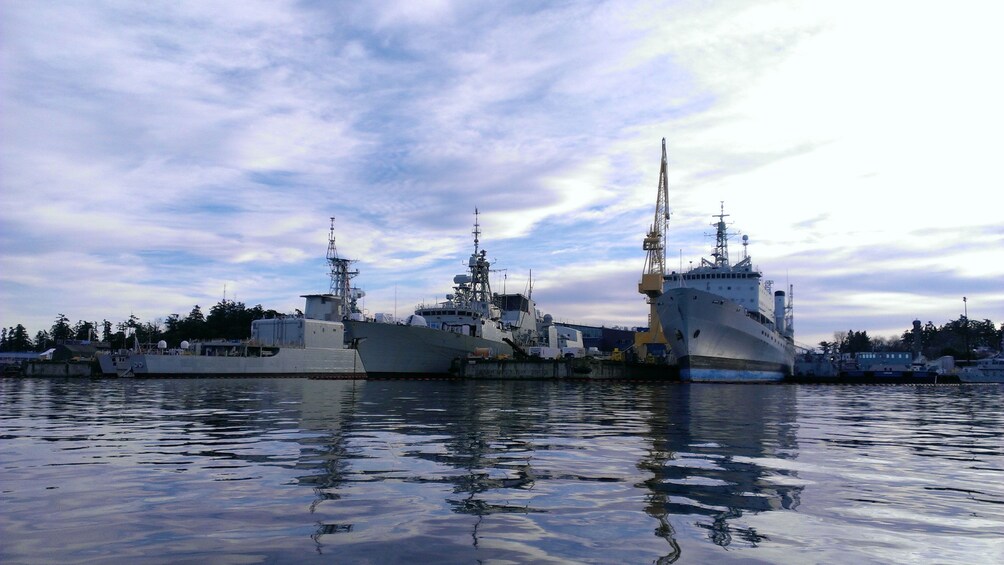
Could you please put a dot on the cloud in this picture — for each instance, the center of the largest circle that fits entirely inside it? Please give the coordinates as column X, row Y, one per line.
column 152, row 155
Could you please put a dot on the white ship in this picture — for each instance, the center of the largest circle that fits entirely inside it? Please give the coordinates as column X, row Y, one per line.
column 470, row 322
column 312, row 345
column 722, row 322
column 989, row 370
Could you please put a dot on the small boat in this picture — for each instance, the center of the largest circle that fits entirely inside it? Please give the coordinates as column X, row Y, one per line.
column 989, row 370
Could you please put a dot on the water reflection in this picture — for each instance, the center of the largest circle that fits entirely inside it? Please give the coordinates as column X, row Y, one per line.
column 378, row 471
column 542, row 448
column 418, row 436
column 706, row 442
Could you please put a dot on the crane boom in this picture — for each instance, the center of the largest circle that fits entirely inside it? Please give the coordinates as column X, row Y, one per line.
column 655, row 240
column 651, row 344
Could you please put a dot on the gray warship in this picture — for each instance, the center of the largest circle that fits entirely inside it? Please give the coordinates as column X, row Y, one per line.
column 471, row 322
column 313, row 345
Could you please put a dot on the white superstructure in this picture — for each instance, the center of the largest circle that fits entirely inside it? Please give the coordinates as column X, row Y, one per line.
column 984, row 371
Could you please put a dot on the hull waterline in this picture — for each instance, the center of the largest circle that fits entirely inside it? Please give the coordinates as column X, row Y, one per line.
column 393, row 349
column 715, row 340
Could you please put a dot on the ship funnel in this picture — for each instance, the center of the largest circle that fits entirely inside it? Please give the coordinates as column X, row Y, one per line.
column 779, row 311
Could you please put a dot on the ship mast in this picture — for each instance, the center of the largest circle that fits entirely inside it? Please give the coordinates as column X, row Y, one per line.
column 721, row 253
column 341, row 275
column 481, row 290
column 477, row 230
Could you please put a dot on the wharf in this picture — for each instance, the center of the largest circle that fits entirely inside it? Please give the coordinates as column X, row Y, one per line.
column 568, row 369
column 877, row 378
column 80, row 369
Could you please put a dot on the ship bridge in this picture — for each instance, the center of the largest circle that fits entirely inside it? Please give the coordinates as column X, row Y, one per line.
column 745, row 287
column 741, row 283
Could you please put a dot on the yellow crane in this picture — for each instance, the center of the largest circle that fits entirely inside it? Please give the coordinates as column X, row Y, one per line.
column 655, row 267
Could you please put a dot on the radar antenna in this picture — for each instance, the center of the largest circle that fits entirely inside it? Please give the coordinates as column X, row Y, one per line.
column 477, row 231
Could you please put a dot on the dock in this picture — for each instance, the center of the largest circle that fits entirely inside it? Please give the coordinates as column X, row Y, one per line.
column 568, row 369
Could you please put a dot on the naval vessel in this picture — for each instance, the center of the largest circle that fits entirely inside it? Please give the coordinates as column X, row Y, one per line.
column 984, row 371
column 472, row 321
column 311, row 345
column 722, row 322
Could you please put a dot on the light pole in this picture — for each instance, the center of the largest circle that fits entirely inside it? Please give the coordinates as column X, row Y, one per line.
column 965, row 327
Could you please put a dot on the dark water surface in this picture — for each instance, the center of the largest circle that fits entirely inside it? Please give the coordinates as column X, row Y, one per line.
column 301, row 471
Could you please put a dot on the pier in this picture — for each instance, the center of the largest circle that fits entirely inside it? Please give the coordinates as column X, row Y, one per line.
column 551, row 369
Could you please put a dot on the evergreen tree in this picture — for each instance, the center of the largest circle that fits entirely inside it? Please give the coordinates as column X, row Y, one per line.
column 83, row 331
column 232, row 320
column 61, row 329
column 148, row 332
column 173, row 333
column 43, row 341
column 855, row 342
column 951, row 337
column 19, row 341
column 194, row 325
column 126, row 329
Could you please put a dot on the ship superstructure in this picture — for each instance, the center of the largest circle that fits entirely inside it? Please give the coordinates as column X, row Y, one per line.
column 470, row 309
column 291, row 346
column 341, row 274
column 722, row 320
column 471, row 321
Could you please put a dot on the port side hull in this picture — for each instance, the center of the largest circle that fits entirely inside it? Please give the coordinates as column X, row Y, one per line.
column 392, row 349
column 288, row 362
column 716, row 341
column 987, row 377
column 696, row 368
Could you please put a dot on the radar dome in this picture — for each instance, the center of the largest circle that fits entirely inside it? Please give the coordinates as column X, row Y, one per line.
column 746, row 238
column 161, row 344
column 415, row 320
column 184, row 345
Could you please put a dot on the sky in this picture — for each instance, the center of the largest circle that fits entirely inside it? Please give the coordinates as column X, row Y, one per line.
column 157, row 156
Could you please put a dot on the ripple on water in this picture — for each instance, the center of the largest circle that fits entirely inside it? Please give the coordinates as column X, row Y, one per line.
column 299, row 471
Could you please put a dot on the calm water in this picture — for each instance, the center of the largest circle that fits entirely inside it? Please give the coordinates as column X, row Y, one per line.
column 299, row 471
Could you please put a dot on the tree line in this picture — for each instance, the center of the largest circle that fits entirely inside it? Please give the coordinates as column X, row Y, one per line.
column 227, row 319
column 959, row 338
